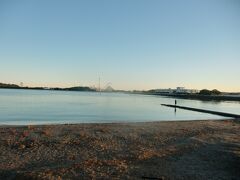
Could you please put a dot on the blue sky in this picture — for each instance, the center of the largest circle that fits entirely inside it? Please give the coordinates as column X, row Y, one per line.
column 134, row 44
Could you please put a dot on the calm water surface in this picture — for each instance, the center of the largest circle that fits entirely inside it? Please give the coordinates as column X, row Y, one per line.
column 42, row 107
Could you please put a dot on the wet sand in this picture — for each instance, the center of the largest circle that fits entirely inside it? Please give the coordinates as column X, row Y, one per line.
column 207, row 149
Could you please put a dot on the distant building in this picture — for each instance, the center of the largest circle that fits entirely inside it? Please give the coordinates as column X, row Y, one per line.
column 181, row 90
column 178, row 90
column 164, row 91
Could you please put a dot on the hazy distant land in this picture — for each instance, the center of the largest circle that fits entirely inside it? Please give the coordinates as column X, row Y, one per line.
column 79, row 88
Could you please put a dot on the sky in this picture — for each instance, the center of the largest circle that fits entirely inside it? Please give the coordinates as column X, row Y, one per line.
column 132, row 44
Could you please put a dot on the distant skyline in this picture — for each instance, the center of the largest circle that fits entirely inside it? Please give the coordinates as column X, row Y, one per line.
column 136, row 44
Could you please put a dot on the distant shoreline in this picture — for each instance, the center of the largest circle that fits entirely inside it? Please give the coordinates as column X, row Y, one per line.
column 199, row 97
column 86, row 89
column 224, row 97
column 75, row 88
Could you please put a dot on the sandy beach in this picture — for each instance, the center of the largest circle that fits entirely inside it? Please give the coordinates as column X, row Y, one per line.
column 207, row 149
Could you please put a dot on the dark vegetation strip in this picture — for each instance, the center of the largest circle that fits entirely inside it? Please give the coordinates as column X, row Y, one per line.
column 201, row 97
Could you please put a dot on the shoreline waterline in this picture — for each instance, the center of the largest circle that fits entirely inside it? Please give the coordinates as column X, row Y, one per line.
column 116, row 122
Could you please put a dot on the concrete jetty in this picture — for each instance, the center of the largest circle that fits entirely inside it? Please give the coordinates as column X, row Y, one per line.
column 204, row 111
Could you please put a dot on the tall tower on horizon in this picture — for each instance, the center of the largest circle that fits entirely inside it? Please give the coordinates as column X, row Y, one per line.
column 99, row 84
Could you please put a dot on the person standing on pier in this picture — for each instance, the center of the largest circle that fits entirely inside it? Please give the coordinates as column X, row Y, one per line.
column 175, row 102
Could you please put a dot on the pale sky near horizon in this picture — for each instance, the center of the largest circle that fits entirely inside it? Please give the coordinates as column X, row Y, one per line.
column 134, row 44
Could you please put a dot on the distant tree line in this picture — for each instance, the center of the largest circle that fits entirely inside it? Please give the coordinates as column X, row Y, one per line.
column 14, row 86
column 11, row 86
column 209, row 92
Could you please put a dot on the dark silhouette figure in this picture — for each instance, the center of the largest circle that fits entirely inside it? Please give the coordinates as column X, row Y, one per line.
column 175, row 109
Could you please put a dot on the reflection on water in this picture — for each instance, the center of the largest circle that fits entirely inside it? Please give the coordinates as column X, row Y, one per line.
column 37, row 107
